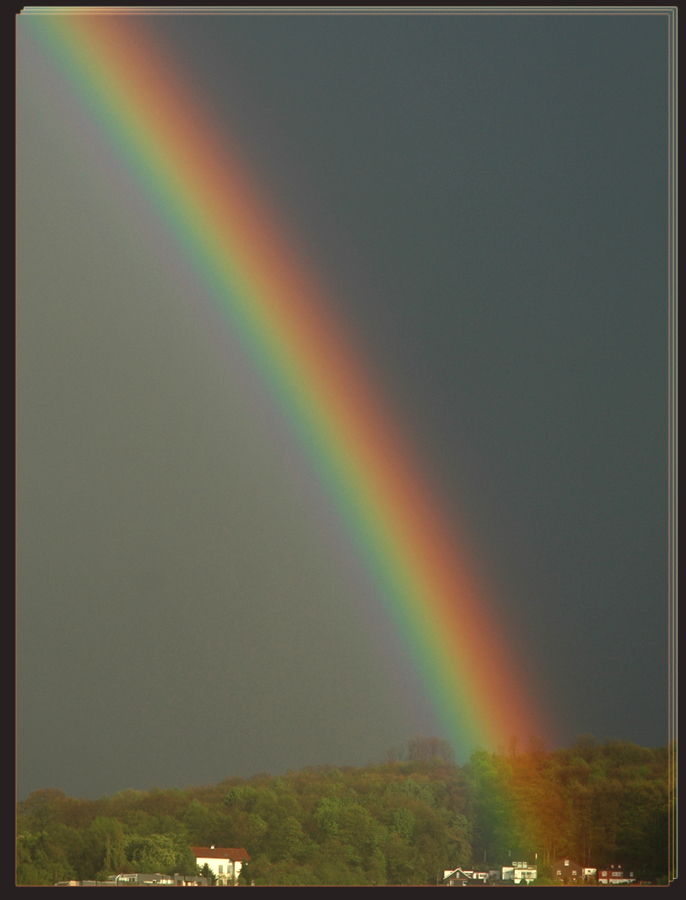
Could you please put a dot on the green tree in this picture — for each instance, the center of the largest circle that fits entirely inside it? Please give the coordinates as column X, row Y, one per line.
column 494, row 819
column 198, row 821
column 404, row 823
column 206, row 872
column 35, row 862
column 164, row 853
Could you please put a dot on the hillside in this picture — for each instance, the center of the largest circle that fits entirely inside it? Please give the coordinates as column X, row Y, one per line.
column 402, row 821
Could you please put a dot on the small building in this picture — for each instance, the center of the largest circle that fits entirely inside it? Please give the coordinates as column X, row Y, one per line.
column 615, row 875
column 191, row 881
column 462, row 877
column 567, row 871
column 456, row 877
column 141, row 879
column 224, row 862
column 519, row 871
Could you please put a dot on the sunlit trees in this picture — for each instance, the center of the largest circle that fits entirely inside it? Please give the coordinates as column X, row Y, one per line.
column 400, row 822
column 167, row 853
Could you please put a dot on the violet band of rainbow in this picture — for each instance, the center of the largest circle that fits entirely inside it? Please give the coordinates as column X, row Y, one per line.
column 147, row 111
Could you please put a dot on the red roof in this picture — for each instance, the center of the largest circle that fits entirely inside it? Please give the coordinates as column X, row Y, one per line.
column 233, row 853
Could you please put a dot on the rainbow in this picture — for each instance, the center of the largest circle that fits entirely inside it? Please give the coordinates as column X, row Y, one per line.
column 419, row 562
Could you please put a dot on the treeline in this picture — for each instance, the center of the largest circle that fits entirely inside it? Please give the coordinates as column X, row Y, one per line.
column 400, row 822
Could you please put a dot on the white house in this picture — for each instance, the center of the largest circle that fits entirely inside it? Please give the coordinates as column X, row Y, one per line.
column 518, row 872
column 225, row 862
column 453, row 877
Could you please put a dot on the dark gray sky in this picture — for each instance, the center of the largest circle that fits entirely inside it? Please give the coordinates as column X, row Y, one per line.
column 486, row 197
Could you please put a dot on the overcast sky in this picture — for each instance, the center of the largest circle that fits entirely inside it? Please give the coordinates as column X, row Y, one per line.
column 486, row 198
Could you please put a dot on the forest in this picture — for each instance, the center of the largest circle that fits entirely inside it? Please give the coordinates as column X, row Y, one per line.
column 401, row 821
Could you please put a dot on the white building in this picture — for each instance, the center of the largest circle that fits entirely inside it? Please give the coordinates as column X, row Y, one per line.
column 461, row 876
column 518, row 872
column 225, row 862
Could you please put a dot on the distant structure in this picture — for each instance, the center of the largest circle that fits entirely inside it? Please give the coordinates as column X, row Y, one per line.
column 615, row 875
column 225, row 862
column 567, row 871
column 463, row 877
column 142, row 879
column 518, row 872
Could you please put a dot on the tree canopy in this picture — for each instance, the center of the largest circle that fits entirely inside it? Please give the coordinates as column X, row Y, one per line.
column 403, row 821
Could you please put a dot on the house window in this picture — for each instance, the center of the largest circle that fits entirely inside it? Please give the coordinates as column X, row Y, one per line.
column 221, row 870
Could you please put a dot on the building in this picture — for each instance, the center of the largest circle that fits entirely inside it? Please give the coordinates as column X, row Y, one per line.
column 462, row 877
column 141, row 879
column 615, row 875
column 455, row 877
column 567, row 871
column 224, row 862
column 518, row 872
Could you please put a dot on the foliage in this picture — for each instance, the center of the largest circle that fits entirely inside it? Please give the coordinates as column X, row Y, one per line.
column 206, row 872
column 166, row 853
column 400, row 822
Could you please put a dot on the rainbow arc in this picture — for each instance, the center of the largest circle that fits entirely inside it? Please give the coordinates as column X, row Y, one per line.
column 147, row 111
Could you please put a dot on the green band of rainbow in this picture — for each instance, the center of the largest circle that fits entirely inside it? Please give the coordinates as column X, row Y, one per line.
column 206, row 199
